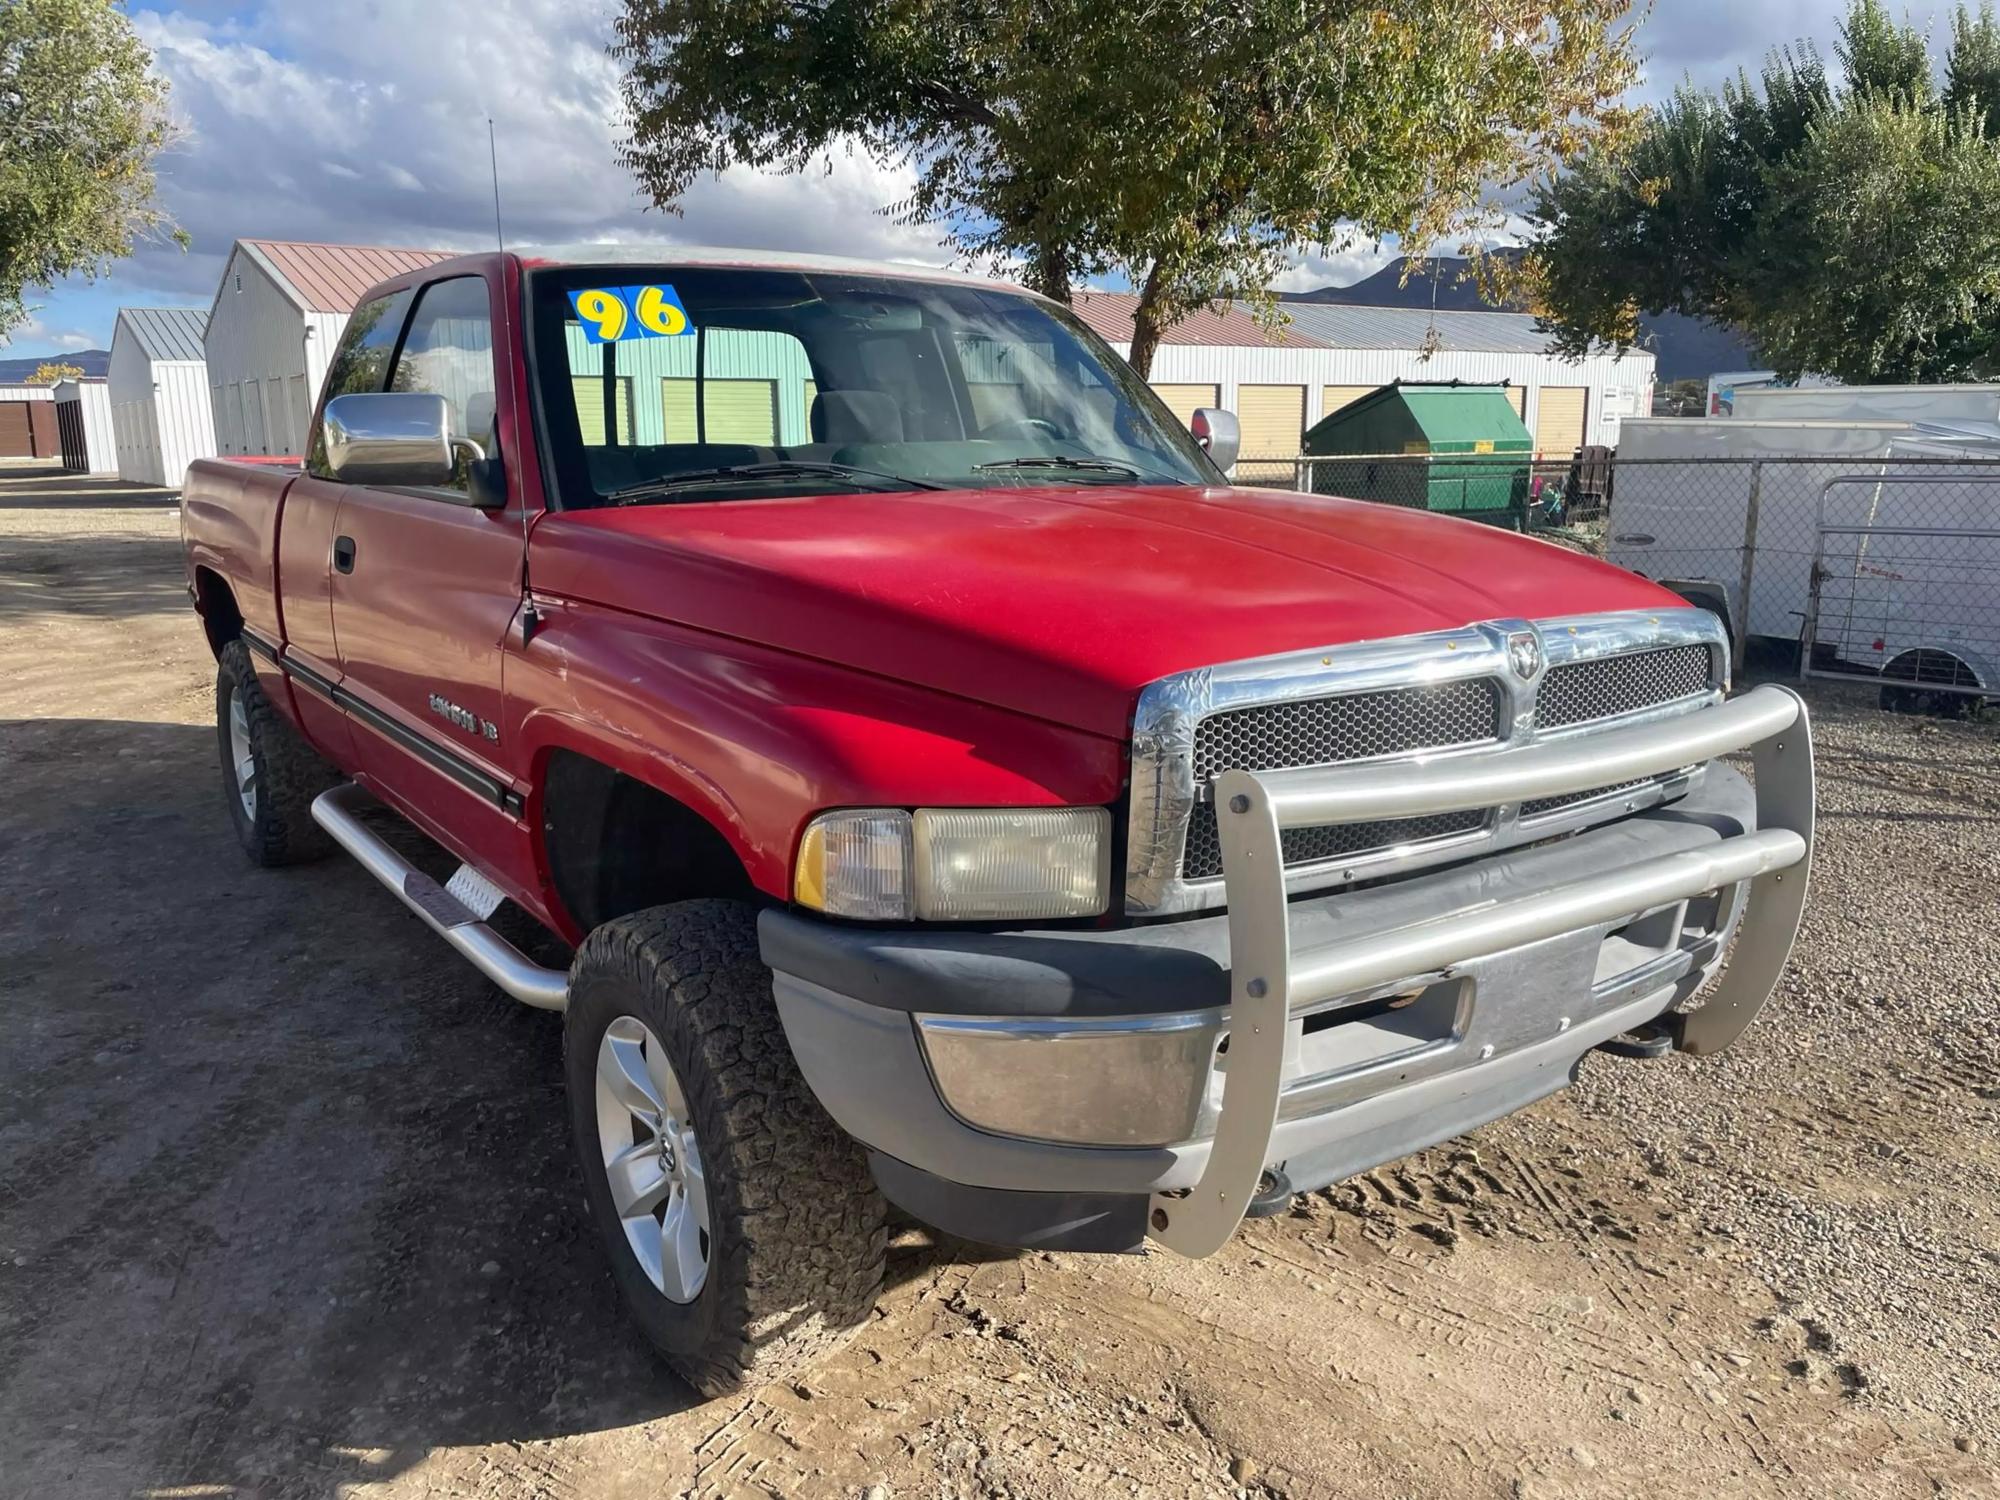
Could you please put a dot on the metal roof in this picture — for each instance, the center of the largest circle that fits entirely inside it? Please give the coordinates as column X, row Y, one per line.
column 332, row 278
column 1347, row 327
column 166, row 333
column 1109, row 315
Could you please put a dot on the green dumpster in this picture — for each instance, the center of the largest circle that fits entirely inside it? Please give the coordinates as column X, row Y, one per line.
column 1445, row 446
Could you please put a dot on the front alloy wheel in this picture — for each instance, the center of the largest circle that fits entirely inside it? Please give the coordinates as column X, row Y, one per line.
column 652, row 1159
column 743, row 1228
column 242, row 758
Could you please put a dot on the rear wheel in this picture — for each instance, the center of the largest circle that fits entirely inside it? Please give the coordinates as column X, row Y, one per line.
column 269, row 775
column 743, row 1227
column 1931, row 682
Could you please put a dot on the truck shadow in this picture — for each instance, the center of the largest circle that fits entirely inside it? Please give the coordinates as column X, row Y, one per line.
column 50, row 487
column 109, row 576
column 287, row 1190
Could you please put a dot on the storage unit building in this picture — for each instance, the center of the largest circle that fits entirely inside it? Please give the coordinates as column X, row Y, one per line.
column 28, row 422
column 1284, row 381
column 161, row 415
column 272, row 330
column 83, row 426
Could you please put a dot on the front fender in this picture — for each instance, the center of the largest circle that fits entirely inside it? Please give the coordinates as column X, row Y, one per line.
column 757, row 740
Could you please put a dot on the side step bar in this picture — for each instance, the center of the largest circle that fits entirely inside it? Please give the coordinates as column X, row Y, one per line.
column 447, row 916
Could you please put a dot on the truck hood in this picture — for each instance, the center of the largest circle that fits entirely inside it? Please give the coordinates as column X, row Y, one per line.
column 1062, row 602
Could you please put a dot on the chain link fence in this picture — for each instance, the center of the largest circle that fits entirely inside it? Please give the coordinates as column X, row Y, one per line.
column 1883, row 569
column 1514, row 490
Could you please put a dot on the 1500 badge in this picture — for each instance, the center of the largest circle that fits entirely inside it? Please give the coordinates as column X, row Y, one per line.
column 464, row 718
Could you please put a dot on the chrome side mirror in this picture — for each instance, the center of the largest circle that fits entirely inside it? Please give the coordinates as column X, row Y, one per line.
column 1219, row 436
column 394, row 437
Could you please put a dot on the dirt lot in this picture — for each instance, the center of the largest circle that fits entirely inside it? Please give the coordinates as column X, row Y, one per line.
column 286, row 1204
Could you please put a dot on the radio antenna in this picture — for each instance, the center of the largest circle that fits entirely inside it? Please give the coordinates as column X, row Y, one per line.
column 493, row 157
column 531, row 618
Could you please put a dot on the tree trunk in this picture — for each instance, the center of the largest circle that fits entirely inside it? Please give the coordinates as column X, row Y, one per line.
column 1048, row 272
column 1147, row 325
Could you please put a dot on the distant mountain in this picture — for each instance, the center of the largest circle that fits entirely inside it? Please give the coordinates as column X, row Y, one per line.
column 1683, row 348
column 90, row 361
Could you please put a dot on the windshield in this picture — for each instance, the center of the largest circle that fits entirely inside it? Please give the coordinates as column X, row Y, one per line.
column 664, row 384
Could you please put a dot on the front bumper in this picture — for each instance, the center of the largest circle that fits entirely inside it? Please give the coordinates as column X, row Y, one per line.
column 1319, row 1037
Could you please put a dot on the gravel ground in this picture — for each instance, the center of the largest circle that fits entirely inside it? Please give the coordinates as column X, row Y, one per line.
column 287, row 1209
column 1849, row 1157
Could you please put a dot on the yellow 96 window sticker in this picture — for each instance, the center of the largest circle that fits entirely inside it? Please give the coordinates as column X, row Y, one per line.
column 612, row 313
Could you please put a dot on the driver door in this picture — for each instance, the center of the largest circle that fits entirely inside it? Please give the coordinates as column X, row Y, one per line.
column 426, row 587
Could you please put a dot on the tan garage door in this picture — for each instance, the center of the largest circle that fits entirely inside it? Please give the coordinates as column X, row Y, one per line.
column 589, row 391
column 1273, row 419
column 1559, row 420
column 1517, row 397
column 1333, row 397
column 739, row 411
column 1183, row 399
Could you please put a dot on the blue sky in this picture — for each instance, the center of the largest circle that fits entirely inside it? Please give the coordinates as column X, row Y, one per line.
column 364, row 121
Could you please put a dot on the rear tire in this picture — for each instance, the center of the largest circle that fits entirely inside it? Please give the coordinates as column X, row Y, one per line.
column 269, row 775
column 1931, row 666
column 793, row 1231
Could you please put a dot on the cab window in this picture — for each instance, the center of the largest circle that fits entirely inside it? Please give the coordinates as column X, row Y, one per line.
column 449, row 352
column 361, row 362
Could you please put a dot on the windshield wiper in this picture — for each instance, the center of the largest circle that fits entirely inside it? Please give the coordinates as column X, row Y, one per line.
column 1058, row 461
column 779, row 469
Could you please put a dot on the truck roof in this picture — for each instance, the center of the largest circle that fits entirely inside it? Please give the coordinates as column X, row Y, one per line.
column 782, row 260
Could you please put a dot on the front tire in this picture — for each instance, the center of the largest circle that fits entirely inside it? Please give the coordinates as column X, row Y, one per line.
column 269, row 775
column 743, row 1226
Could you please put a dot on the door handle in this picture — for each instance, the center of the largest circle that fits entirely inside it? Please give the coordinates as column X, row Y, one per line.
column 343, row 554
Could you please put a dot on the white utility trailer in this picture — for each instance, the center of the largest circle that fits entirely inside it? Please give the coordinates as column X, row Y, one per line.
column 1872, row 539
column 1948, row 405
column 1906, row 577
column 1725, row 511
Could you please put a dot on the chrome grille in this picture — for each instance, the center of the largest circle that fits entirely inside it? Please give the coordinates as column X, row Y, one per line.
column 1389, row 699
column 1607, row 687
column 1327, row 731
column 1359, row 726
column 1308, row 846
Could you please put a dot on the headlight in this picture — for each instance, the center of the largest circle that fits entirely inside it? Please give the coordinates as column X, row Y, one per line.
column 956, row 864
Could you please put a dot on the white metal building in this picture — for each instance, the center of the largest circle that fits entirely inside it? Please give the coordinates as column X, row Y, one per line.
column 1281, row 382
column 272, row 330
column 161, row 417
column 83, row 420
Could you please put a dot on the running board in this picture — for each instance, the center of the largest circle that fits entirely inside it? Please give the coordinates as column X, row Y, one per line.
column 443, row 910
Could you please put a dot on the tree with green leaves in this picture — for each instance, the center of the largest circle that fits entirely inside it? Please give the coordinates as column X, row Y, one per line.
column 1846, row 223
column 1194, row 149
column 82, row 116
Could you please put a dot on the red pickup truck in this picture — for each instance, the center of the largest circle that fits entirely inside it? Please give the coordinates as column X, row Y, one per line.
column 954, row 791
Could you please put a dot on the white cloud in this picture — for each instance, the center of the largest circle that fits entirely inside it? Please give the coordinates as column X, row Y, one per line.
column 366, row 123
column 35, row 333
column 373, row 131
column 1340, row 268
